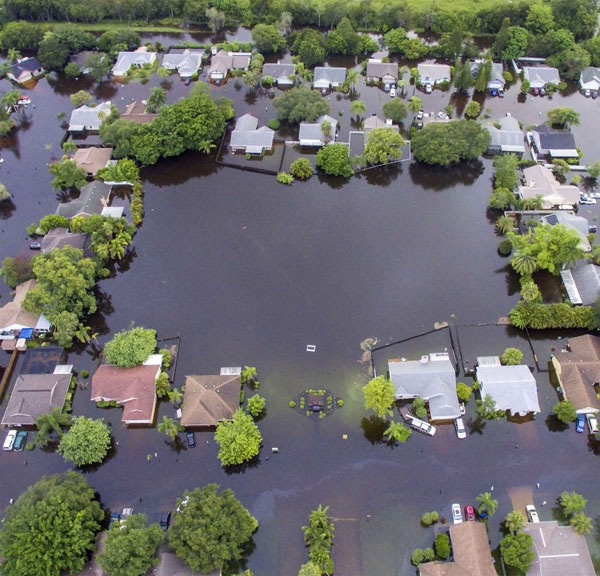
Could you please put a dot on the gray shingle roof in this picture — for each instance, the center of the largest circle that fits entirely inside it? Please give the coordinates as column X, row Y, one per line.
column 541, row 75
column 434, row 73
column 582, row 283
column 554, row 139
column 92, row 199
column 125, row 60
column 186, row 63
column 325, row 76
column 88, row 117
column 378, row 69
column 278, row 70
column 590, row 78
column 512, row 387
column 247, row 135
column 310, row 132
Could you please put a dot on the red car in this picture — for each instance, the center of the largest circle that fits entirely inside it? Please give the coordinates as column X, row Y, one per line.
column 469, row 513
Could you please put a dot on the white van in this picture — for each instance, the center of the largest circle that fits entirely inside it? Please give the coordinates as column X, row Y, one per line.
column 9, row 440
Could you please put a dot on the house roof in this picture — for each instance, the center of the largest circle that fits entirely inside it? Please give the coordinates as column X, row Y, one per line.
column 247, row 135
column 432, row 378
column 26, row 65
column 509, row 137
column 187, row 62
column 569, row 220
column 246, row 123
column 136, row 112
column 134, row 388
column 61, row 237
column 512, row 387
column 373, row 122
column 472, row 556
column 590, row 77
column 325, row 75
column 558, row 550
column 88, row 117
column 125, row 60
column 582, row 283
column 224, row 61
column 434, row 72
column 541, row 182
column 171, row 565
column 311, row 131
column 92, row 199
column 209, row 399
column 92, row 159
column 278, row 70
column 34, row 395
column 539, row 76
column 551, row 139
column 378, row 69
column 13, row 316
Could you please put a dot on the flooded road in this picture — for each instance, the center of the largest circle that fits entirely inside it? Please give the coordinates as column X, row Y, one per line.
column 249, row 272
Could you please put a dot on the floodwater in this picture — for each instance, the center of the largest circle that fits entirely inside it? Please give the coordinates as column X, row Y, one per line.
column 249, row 272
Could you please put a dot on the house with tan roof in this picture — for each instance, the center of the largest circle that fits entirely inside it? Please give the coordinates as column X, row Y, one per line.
column 382, row 72
column 222, row 62
column 541, row 182
column 471, row 549
column 577, row 368
column 92, row 159
column 209, row 399
column 14, row 318
column 133, row 388
column 137, row 112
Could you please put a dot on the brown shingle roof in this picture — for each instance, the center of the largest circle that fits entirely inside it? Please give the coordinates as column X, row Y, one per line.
column 209, row 399
column 61, row 237
column 12, row 313
column 134, row 388
column 136, row 112
column 92, row 159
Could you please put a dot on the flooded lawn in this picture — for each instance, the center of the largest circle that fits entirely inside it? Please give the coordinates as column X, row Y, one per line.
column 247, row 271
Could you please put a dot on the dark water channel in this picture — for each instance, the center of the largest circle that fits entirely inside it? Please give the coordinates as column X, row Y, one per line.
column 246, row 271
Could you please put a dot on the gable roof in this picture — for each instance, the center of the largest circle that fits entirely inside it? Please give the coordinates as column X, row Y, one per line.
column 558, row 550
column 541, row 182
column 36, row 394
column 551, row 139
column 590, row 78
column 125, row 60
column 582, row 283
column 224, row 61
column 209, row 399
column 61, row 237
column 378, row 69
column 247, row 135
column 433, row 72
column 134, row 388
column 432, row 378
column 14, row 317
column 512, row 387
column 325, row 76
column 88, row 117
column 374, row 121
column 278, row 70
column 509, row 137
column 92, row 159
column 25, row 67
column 136, row 112
column 187, row 62
column 92, row 199
column 539, row 76
column 311, row 132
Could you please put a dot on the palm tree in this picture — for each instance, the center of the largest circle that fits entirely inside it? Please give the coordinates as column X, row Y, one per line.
column 69, row 147
column 524, row 263
column 358, row 107
column 248, row 375
column 169, row 427
column 487, row 505
column 53, row 421
column 326, row 129
column 581, row 523
column 5, row 68
column 486, row 407
column 175, row 396
column 505, row 223
column 14, row 54
column 514, row 521
column 415, row 104
column 351, row 79
column 397, row 432
column 206, row 146
column 530, row 292
column 83, row 333
column 157, row 99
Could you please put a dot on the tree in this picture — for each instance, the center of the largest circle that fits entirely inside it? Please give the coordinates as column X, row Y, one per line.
column 463, row 391
column 53, row 421
column 80, row 98
column 318, row 536
column 383, row 145
column 396, row 40
column 516, row 550
column 14, row 55
column 442, row 545
column 249, row 376
column 256, row 405
column 505, row 224
column 463, row 79
column 268, row 39
column 169, row 427
column 415, row 104
column 51, row 527
column 506, row 171
column 109, row 237
column 563, row 116
column 67, row 175
column 309, row 45
column 300, row 104
column 210, row 529
column 309, row 569
column 419, row 409
column 581, row 523
column 397, row 432
column 395, row 109
column 216, row 20
column 69, row 147
column 487, row 504
column 572, row 503
column 301, row 169
column 472, row 109
column 511, row 357
column 334, row 160
column 486, row 408
column 157, row 99
column 86, row 442
column 53, row 54
column 380, row 395
column 239, row 439
column 358, row 107
column 516, row 43
column 514, row 521
column 117, row 37
column 484, row 75
column 540, row 19
column 163, row 386
column 97, row 65
column 16, row 270
column 130, row 547
column 130, row 347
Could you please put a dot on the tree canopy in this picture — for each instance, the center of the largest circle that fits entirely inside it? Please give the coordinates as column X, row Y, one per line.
column 268, row 39
column 380, row 395
column 210, row 529
column 300, row 104
column 395, row 109
column 334, row 160
column 239, row 439
column 383, row 145
column 309, row 45
column 53, row 525
column 516, row 550
column 563, row 116
column 86, row 442
column 130, row 347
column 67, row 174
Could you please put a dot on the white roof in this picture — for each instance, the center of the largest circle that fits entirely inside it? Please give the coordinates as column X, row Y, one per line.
column 186, row 63
column 512, row 388
column 87, row 117
column 125, row 60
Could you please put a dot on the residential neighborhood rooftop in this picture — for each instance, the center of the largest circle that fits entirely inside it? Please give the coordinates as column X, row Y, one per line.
column 539, row 76
column 541, row 182
column 138, row 58
column 92, row 159
column 88, row 117
column 209, row 399
column 14, row 318
column 186, row 63
column 93, row 197
column 582, row 282
column 61, row 237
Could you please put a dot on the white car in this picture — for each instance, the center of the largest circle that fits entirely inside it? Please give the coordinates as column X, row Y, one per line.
column 532, row 513
column 592, row 423
column 392, row 92
column 586, row 200
column 9, row 440
column 460, row 428
column 420, row 114
column 456, row 514
column 587, row 93
column 428, row 89
column 443, row 115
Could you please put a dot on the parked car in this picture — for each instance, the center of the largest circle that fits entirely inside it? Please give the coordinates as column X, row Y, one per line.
column 592, row 423
column 535, row 91
column 191, row 439
column 542, row 91
column 460, row 428
column 594, row 94
column 114, row 517
column 35, row 246
column 126, row 512
column 587, row 93
column 501, row 93
column 428, row 89
column 420, row 114
column 469, row 514
column 592, row 229
column 586, row 200
column 456, row 514
column 580, row 425
column 9, row 440
column 392, row 93
column 442, row 115
column 20, row 441
column 494, row 92
column 165, row 518
column 532, row 513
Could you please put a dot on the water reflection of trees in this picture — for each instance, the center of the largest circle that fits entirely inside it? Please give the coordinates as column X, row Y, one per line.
column 443, row 177
column 65, row 86
column 373, row 429
column 173, row 171
column 7, row 207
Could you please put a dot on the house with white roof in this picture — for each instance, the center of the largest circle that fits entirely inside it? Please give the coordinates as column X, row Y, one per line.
column 248, row 138
column 326, row 78
column 508, row 138
column 589, row 79
column 433, row 74
column 128, row 60
column 280, row 73
column 539, row 76
column 187, row 63
column 311, row 133
column 88, row 118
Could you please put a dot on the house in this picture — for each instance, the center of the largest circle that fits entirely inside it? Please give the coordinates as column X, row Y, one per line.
column 326, row 78
column 14, row 318
column 136, row 112
column 171, row 565
column 573, row 222
column 61, row 237
column 577, row 368
column 311, row 133
column 582, row 282
column 25, row 70
column 471, row 553
column 187, row 63
column 280, row 73
column 558, row 550
column 222, row 62
column 37, row 394
column 541, row 182
column 88, row 118
column 496, row 81
column 209, row 399
column 432, row 74
column 513, row 388
column 374, row 121
column 92, row 159
column 508, row 138
column 432, row 378
column 385, row 73
column 133, row 388
column 554, row 143
column 136, row 59
column 539, row 76
column 249, row 139
column 93, row 197
column 589, row 79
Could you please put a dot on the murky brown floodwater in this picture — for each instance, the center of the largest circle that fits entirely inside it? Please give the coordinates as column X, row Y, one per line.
column 247, row 271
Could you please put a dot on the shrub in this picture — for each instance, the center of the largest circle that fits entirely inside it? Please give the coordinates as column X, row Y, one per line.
column 131, row 347
column 505, row 247
column 292, row 404
column 417, row 556
column 163, row 386
column 463, row 391
column 511, row 357
column 285, row 178
column 419, row 408
column 256, row 405
column 301, row 169
column 442, row 546
column 565, row 411
column 274, row 124
column 428, row 554
column 84, row 374
column 167, row 358
column 340, row 403
column 508, row 77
